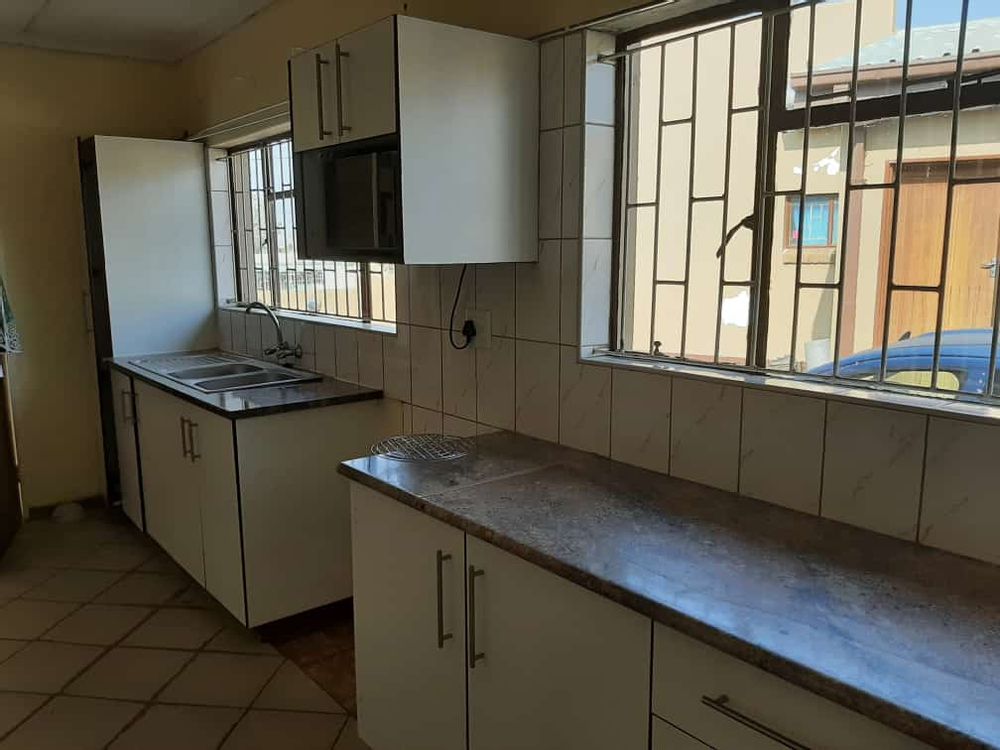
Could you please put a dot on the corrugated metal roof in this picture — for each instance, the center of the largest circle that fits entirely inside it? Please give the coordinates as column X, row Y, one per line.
column 926, row 43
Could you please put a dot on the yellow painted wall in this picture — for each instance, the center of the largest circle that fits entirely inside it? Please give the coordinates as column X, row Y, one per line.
column 47, row 99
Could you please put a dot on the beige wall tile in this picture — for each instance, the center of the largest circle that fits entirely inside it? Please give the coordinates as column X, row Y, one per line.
column 705, row 432
column 495, row 294
column 396, row 358
column 425, row 359
column 536, row 389
column 584, row 404
column 781, row 458
column 370, row 361
column 551, row 83
column 572, row 198
column 347, row 354
column 458, row 372
column 425, row 296
column 537, row 294
column 495, row 388
column 640, row 419
column 961, row 504
column 873, row 468
column 550, row 152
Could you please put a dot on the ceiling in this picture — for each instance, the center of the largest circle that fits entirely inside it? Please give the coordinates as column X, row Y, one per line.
column 161, row 30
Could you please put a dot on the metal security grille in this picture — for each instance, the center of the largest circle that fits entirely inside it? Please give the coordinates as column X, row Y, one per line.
column 268, row 268
column 815, row 189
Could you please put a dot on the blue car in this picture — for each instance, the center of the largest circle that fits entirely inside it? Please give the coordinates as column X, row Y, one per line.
column 963, row 365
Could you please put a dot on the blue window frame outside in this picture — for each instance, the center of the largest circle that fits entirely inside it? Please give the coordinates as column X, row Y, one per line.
column 819, row 220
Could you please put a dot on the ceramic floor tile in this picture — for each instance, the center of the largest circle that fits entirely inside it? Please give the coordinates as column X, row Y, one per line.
column 237, row 639
column 221, row 680
column 72, row 724
column 145, row 588
column 188, row 727
column 73, row 585
column 292, row 690
column 264, row 730
column 15, row 707
column 349, row 739
column 99, row 624
column 29, row 619
column 129, row 673
column 9, row 647
column 42, row 667
column 160, row 563
column 194, row 596
column 177, row 628
column 118, row 556
column 16, row 581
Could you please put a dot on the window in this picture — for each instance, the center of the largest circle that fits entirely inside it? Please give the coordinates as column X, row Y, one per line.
column 819, row 220
column 268, row 268
column 814, row 189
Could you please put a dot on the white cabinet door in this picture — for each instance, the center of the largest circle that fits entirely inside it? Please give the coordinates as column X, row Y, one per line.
column 368, row 82
column 128, row 457
column 215, row 465
column 170, row 479
column 409, row 627
column 311, row 78
column 556, row 666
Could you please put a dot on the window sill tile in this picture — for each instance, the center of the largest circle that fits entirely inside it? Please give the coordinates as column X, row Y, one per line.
column 944, row 407
column 324, row 320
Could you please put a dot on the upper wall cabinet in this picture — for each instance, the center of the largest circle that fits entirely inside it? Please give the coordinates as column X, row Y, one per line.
column 416, row 142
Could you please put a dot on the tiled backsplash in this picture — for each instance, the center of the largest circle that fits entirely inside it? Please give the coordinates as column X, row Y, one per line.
column 893, row 471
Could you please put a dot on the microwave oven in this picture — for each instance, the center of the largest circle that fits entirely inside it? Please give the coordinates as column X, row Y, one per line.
column 347, row 201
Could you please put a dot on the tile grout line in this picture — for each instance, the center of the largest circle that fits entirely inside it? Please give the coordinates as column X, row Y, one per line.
column 86, row 666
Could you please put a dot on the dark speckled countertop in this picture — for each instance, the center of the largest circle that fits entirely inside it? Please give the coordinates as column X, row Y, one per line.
column 256, row 402
column 907, row 635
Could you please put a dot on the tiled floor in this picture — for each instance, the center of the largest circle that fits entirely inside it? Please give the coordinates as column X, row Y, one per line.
column 104, row 643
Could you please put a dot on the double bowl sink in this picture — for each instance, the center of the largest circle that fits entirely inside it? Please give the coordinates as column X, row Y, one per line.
column 217, row 373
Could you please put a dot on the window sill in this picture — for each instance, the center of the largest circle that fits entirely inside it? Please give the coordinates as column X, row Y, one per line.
column 815, row 256
column 935, row 406
column 323, row 320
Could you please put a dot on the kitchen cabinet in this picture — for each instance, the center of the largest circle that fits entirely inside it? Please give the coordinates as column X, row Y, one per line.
column 548, row 663
column 731, row 705
column 253, row 508
column 409, row 618
column 552, row 665
column 367, row 90
column 345, row 90
column 312, row 75
column 170, row 478
column 125, row 440
column 451, row 115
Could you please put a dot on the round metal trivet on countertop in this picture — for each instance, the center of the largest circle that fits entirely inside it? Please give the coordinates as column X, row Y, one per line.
column 427, row 447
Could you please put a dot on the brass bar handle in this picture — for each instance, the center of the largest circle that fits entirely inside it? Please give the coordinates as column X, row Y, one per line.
column 320, row 62
column 442, row 636
column 192, row 427
column 474, row 655
column 185, row 451
column 721, row 704
column 342, row 129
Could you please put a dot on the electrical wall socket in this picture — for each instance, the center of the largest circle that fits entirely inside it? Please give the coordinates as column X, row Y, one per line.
column 484, row 327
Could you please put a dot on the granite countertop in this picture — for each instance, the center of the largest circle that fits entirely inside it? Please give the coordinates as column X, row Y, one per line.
column 907, row 635
column 256, row 402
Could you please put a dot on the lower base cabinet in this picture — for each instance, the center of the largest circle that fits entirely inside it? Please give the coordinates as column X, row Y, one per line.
column 463, row 646
column 543, row 663
column 253, row 509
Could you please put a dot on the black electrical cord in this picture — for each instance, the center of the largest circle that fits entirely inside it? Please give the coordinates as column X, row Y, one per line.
column 468, row 328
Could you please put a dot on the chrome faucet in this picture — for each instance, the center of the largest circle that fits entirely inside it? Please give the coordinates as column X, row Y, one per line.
column 283, row 350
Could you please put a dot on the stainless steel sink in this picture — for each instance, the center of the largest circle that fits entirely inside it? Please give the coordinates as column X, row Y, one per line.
column 215, row 371
column 221, row 372
column 247, row 380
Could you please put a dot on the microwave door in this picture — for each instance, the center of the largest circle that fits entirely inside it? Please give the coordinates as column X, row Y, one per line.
column 350, row 207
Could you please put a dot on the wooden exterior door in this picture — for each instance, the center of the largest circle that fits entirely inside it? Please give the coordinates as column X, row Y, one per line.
column 974, row 249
